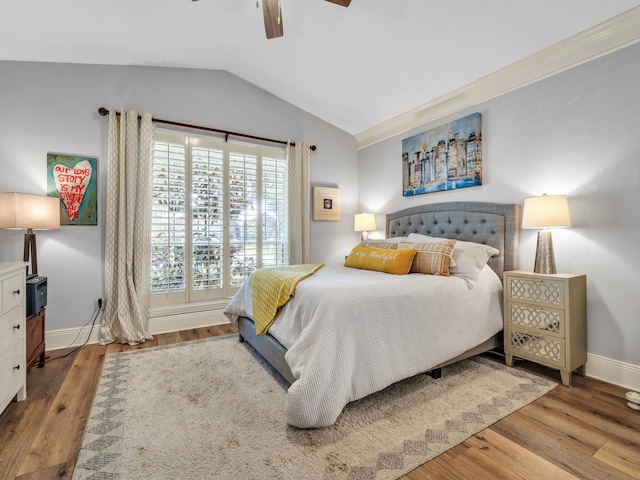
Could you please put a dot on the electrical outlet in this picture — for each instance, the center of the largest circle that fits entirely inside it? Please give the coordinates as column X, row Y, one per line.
column 99, row 303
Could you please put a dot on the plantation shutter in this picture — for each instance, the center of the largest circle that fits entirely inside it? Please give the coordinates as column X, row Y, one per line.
column 168, row 215
column 219, row 213
column 275, row 234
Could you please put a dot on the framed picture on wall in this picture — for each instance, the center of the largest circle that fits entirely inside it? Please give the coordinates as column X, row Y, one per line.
column 326, row 203
column 74, row 180
column 444, row 158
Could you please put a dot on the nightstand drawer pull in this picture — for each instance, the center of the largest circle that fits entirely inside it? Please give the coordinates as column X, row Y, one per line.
column 17, row 367
column 16, row 292
column 17, row 327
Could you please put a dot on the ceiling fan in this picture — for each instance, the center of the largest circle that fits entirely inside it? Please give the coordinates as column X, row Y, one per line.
column 273, row 16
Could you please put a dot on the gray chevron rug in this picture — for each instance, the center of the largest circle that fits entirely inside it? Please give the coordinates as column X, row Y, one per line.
column 211, row 409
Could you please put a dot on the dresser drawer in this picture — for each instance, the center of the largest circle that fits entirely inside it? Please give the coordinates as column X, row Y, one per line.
column 13, row 292
column 549, row 350
column 11, row 376
column 537, row 291
column 540, row 320
column 12, row 328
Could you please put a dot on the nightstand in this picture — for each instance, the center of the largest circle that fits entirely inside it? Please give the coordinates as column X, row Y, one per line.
column 545, row 320
column 35, row 339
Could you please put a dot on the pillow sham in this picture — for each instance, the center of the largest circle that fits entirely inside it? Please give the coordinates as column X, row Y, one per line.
column 378, row 244
column 395, row 239
column 385, row 260
column 432, row 258
column 470, row 257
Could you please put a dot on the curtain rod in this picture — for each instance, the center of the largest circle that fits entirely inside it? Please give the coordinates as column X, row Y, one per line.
column 104, row 112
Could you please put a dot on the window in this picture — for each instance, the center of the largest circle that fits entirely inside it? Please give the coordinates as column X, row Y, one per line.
column 219, row 211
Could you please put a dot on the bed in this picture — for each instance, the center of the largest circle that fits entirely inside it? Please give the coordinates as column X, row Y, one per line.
column 351, row 353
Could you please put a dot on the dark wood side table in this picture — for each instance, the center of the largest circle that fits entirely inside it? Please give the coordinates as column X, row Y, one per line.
column 35, row 339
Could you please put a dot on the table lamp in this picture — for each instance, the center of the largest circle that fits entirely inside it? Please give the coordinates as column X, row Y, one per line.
column 30, row 212
column 364, row 222
column 547, row 211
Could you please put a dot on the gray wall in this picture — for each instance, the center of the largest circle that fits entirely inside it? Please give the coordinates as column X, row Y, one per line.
column 53, row 108
column 578, row 134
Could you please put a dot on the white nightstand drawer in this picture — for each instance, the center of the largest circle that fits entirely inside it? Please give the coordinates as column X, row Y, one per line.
column 536, row 290
column 12, row 328
column 540, row 320
column 537, row 347
column 13, row 367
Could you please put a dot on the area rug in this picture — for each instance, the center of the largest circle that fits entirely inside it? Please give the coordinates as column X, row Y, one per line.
column 211, row 409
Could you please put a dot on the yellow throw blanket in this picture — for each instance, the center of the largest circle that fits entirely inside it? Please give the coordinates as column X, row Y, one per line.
column 272, row 287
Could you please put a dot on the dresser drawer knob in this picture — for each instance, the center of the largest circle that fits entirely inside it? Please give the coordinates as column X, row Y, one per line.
column 16, row 292
column 17, row 327
column 17, row 367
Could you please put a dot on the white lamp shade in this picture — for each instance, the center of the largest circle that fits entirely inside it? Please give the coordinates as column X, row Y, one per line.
column 24, row 211
column 547, row 211
column 364, row 222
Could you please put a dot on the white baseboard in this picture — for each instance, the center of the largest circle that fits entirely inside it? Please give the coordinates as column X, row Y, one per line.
column 185, row 321
column 601, row 368
column 613, row 371
column 74, row 337
column 70, row 337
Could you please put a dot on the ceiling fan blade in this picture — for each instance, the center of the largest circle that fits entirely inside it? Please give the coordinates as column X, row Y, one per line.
column 272, row 18
column 344, row 3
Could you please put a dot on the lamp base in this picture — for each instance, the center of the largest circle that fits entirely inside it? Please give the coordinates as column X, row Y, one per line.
column 545, row 260
column 365, row 236
column 30, row 251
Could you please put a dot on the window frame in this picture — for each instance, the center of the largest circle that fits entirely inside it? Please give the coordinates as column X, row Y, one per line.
column 191, row 299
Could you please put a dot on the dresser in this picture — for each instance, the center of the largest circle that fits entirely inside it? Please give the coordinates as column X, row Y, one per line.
column 545, row 320
column 13, row 362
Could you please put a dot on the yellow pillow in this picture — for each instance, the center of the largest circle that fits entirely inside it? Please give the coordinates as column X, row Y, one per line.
column 384, row 260
column 433, row 258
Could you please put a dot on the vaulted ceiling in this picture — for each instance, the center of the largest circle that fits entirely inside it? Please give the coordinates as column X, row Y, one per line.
column 355, row 67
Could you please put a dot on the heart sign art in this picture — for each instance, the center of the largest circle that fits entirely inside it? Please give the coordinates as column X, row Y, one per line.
column 72, row 183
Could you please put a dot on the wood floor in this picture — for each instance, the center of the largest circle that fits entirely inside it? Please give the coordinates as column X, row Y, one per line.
column 583, row 432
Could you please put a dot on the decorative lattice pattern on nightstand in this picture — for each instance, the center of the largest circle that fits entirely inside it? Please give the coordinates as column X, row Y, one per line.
column 547, row 348
column 543, row 292
column 549, row 321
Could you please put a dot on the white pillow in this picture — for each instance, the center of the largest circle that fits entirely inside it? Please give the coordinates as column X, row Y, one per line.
column 470, row 257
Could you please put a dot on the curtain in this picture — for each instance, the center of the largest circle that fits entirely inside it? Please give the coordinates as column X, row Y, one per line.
column 299, row 164
column 128, row 229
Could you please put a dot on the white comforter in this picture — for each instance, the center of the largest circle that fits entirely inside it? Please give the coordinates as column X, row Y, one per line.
column 352, row 332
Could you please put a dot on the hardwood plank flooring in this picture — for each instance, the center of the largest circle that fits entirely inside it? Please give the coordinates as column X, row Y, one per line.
column 584, row 432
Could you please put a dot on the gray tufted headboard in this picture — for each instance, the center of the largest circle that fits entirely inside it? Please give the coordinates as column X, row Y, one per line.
column 493, row 224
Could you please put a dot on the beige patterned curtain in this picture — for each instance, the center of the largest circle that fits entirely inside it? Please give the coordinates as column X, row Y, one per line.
column 299, row 162
column 128, row 224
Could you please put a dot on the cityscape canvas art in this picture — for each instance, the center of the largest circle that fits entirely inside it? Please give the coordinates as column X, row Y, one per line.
column 444, row 158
